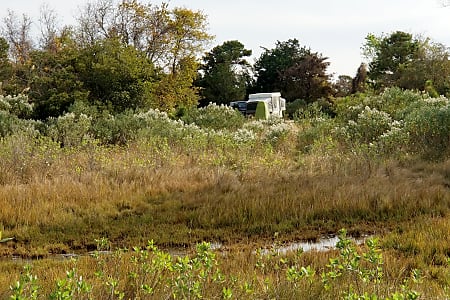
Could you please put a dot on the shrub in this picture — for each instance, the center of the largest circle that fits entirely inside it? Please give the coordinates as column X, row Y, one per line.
column 25, row 154
column 12, row 110
column 369, row 125
column 8, row 123
column 117, row 129
column 309, row 113
column 215, row 117
column 16, row 105
column 428, row 126
column 317, row 130
column 276, row 133
column 392, row 101
column 294, row 106
column 70, row 129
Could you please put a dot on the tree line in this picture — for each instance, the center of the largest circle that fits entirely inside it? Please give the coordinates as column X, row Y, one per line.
column 134, row 55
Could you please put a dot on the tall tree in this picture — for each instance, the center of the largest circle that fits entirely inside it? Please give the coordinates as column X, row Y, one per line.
column 17, row 32
column 171, row 39
column 273, row 62
column 187, row 39
column 117, row 75
column 95, row 21
column 5, row 64
column 399, row 59
column 167, row 36
column 389, row 56
column 225, row 73
column 430, row 70
column 48, row 23
column 343, row 86
column 307, row 78
column 55, row 82
column 295, row 71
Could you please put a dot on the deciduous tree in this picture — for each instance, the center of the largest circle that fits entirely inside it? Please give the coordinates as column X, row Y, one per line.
column 17, row 32
column 55, row 82
column 296, row 71
column 343, row 86
column 172, row 39
column 430, row 70
column 48, row 24
column 117, row 76
column 307, row 78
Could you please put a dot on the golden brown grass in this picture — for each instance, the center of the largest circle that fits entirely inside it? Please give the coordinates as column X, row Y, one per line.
column 146, row 191
column 60, row 200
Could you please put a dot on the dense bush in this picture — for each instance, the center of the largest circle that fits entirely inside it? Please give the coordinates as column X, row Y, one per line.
column 117, row 129
column 17, row 105
column 392, row 101
column 294, row 106
column 369, row 125
column 69, row 129
column 215, row 117
column 14, row 111
column 428, row 128
column 395, row 122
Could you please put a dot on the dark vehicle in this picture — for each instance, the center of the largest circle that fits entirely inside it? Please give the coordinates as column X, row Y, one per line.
column 240, row 105
column 251, row 108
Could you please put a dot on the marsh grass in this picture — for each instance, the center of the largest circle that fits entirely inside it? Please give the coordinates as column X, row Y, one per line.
column 179, row 184
column 178, row 196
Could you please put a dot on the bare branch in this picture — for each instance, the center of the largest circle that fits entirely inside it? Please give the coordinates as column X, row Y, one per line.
column 48, row 23
column 17, row 33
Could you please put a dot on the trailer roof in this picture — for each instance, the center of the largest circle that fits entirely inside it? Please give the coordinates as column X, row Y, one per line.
column 264, row 95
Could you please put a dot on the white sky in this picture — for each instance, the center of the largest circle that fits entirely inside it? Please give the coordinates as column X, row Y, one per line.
column 335, row 28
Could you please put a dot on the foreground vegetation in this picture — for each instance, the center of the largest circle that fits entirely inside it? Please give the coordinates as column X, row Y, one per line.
column 355, row 273
column 89, row 180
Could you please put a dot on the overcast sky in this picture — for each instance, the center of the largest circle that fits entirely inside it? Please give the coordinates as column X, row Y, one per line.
column 334, row 28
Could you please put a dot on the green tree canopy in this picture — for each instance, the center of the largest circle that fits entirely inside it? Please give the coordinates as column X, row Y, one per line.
column 5, row 65
column 225, row 73
column 172, row 40
column 121, row 55
column 117, row 75
column 389, row 55
column 54, row 79
column 430, row 70
column 273, row 62
column 295, row 71
column 400, row 59
column 343, row 86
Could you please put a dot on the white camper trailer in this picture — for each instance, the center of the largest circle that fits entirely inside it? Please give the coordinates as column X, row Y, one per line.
column 271, row 105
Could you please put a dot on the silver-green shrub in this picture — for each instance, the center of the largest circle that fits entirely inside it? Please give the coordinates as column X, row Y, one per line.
column 428, row 126
column 369, row 125
column 215, row 117
column 16, row 105
column 13, row 111
column 70, row 129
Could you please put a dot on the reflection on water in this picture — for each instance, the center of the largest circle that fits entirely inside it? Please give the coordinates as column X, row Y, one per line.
column 323, row 244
